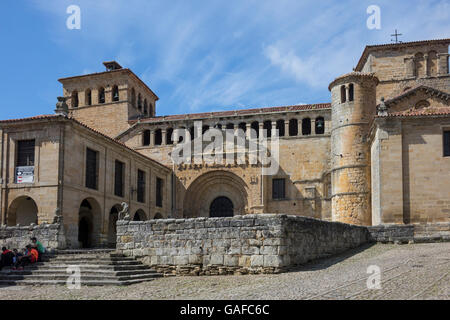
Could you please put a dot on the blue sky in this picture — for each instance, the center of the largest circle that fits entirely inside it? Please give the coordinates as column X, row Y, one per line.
column 199, row 55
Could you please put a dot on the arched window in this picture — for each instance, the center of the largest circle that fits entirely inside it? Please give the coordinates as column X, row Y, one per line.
column 255, row 126
column 101, row 95
column 268, row 127
column 145, row 107
column 280, row 127
column 350, row 92
column 320, row 125
column 139, row 102
column 432, row 63
column 169, row 136
column 343, row 95
column 158, row 137
column 306, row 126
column 75, row 99
column 205, row 128
column 242, row 126
column 419, row 63
column 88, row 97
column 146, row 138
column 133, row 97
column 293, row 127
column 230, row 126
column 115, row 93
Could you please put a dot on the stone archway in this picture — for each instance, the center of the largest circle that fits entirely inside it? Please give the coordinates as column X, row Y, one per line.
column 89, row 223
column 221, row 207
column 23, row 211
column 140, row 215
column 214, row 184
column 112, row 225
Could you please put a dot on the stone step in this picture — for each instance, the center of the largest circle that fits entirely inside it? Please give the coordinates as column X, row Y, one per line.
column 90, row 266
column 83, row 272
column 83, row 277
column 89, row 261
column 63, row 282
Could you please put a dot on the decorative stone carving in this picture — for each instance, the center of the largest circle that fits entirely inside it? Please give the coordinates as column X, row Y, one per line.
column 61, row 107
column 124, row 213
column 382, row 108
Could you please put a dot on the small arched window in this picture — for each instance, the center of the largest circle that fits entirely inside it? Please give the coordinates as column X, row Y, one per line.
column 139, row 102
column 293, row 127
column 88, row 97
column 280, row 127
column 268, row 127
column 158, row 137
column 320, row 125
column 115, row 93
column 255, row 127
column 306, row 126
column 343, row 94
column 133, row 97
column 101, row 95
column 169, row 133
column 350, row 92
column 419, row 64
column 75, row 99
column 145, row 107
column 146, row 138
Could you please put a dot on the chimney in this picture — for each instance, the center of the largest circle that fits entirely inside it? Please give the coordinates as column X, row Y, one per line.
column 112, row 65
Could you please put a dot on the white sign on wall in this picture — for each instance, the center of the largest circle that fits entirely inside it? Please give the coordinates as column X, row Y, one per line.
column 25, row 174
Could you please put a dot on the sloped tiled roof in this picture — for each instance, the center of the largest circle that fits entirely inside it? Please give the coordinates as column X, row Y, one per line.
column 428, row 111
column 68, row 118
column 241, row 112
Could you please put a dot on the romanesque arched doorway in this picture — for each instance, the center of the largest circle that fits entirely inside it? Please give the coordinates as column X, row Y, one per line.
column 221, row 207
column 221, row 191
column 89, row 223
column 22, row 211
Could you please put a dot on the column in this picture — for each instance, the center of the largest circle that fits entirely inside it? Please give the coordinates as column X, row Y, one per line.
column 286, row 128
column 274, row 127
column 152, row 138
column 164, row 137
column 299, row 125
column 425, row 64
column 248, row 128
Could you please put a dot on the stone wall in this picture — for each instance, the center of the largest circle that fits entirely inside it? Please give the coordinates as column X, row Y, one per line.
column 261, row 243
column 50, row 235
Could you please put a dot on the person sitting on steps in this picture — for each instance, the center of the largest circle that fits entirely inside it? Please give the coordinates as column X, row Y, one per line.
column 30, row 257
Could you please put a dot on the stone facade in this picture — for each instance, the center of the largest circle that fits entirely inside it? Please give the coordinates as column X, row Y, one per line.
column 59, row 185
column 360, row 159
column 261, row 243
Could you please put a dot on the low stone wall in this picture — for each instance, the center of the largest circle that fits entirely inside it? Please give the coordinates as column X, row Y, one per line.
column 392, row 233
column 262, row 243
column 50, row 235
column 395, row 233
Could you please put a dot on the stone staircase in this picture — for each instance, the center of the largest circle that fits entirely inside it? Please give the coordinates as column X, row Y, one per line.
column 98, row 267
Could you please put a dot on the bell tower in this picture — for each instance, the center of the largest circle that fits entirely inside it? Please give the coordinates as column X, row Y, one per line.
column 353, row 104
column 107, row 101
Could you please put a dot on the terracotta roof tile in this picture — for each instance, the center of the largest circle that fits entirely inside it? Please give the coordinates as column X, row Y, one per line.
column 205, row 115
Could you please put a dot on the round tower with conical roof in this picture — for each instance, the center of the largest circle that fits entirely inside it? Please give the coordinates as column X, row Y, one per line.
column 353, row 104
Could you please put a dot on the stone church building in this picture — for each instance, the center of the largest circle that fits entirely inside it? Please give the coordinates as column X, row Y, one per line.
column 378, row 153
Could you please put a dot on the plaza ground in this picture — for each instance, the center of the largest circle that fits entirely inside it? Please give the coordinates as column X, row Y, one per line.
column 412, row 271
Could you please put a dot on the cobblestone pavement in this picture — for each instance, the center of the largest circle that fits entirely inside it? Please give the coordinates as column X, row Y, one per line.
column 415, row 271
